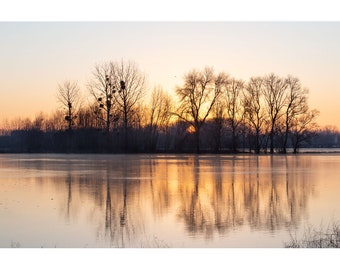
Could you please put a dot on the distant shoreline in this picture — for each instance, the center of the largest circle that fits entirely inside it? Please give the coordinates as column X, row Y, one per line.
column 303, row 151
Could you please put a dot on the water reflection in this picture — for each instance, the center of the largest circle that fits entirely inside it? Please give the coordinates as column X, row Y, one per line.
column 241, row 191
column 122, row 211
column 127, row 197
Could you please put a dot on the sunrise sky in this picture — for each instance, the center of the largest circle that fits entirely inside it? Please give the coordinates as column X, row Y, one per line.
column 36, row 56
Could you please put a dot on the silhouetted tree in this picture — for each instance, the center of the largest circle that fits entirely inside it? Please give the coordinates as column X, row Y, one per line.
column 274, row 94
column 39, row 122
column 254, row 108
column 296, row 105
column 159, row 115
column 218, row 120
column 197, row 97
column 234, row 108
column 127, row 77
column 104, row 88
column 303, row 128
column 69, row 96
column 56, row 121
column 86, row 118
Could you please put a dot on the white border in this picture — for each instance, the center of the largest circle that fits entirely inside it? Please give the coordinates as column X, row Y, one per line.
column 169, row 10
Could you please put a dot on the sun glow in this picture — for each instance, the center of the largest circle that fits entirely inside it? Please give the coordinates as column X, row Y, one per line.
column 190, row 129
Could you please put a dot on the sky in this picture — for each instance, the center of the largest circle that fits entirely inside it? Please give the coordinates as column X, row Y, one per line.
column 37, row 56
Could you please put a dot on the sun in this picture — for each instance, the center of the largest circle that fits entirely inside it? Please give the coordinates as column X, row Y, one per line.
column 191, row 129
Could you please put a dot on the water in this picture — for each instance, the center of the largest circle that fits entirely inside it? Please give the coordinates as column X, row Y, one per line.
column 165, row 200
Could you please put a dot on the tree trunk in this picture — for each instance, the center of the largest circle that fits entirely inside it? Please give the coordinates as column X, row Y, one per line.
column 108, row 121
column 218, row 143
column 69, row 117
column 197, row 140
column 284, row 148
column 125, row 131
column 257, row 142
column 234, row 143
column 272, row 141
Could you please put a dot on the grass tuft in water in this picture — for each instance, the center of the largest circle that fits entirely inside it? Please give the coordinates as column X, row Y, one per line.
column 15, row 244
column 154, row 243
column 313, row 238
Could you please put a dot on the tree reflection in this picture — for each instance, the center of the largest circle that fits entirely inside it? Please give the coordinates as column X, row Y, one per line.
column 252, row 194
column 129, row 197
column 191, row 207
column 158, row 173
column 263, row 192
column 116, row 228
column 112, row 196
column 69, row 193
column 122, row 213
column 208, row 194
column 108, row 209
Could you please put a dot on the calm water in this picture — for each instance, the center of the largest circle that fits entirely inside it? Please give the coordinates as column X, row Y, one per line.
column 165, row 200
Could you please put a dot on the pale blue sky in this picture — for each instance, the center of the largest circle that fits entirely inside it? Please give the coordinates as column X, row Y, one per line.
column 35, row 57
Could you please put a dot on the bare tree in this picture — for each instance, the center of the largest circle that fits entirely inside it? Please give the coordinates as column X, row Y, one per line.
column 56, row 121
column 86, row 118
column 104, row 88
column 159, row 115
column 197, row 97
column 234, row 108
column 303, row 128
column 68, row 95
column 218, row 119
column 39, row 122
column 255, row 114
column 127, row 77
column 296, row 105
column 274, row 94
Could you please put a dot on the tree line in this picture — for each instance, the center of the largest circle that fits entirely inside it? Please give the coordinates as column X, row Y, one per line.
column 210, row 112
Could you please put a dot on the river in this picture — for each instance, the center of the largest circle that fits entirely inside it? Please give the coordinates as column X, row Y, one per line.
column 56, row 200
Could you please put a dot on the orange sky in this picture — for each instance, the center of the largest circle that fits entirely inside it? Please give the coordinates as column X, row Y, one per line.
column 35, row 57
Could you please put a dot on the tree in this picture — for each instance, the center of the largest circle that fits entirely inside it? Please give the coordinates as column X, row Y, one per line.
column 296, row 105
column 127, row 77
column 254, row 107
column 56, row 121
column 303, row 128
column 197, row 97
column 234, row 108
column 86, row 118
column 274, row 94
column 218, row 120
column 68, row 95
column 103, row 88
column 159, row 115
